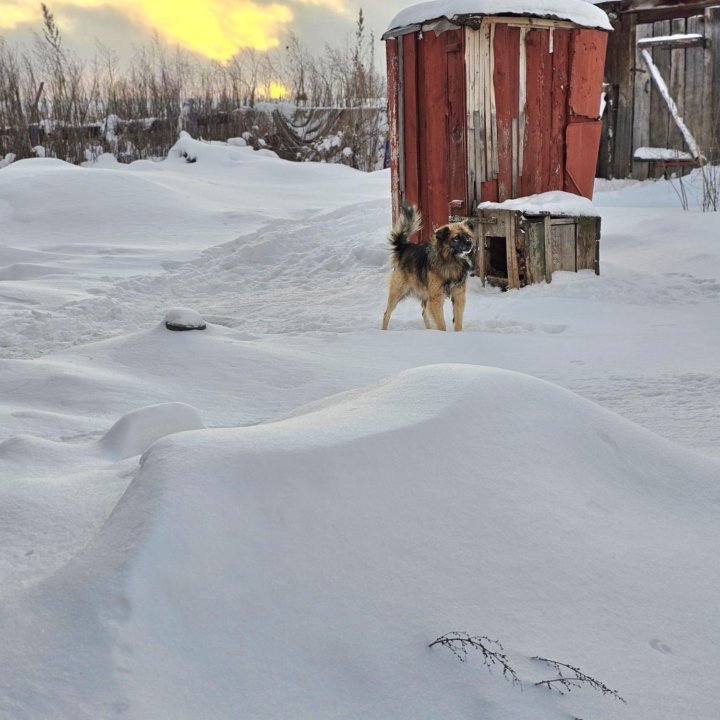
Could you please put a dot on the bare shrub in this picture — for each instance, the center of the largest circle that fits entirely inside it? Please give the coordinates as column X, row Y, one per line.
column 567, row 677
column 570, row 677
column 491, row 650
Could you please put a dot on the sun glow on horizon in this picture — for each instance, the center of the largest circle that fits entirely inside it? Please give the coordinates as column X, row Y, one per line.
column 217, row 29
column 274, row 91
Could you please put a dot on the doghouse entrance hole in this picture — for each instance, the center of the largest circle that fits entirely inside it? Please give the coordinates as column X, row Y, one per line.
column 496, row 250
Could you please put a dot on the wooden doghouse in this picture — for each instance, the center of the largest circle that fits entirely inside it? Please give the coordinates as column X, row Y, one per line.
column 520, row 247
column 489, row 101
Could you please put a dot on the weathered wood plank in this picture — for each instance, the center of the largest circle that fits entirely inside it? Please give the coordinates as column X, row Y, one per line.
column 391, row 52
column 621, row 50
column 522, row 98
column 511, row 228
column 472, row 115
column 659, row 117
column 547, row 232
column 694, row 81
column 588, row 234
column 487, row 39
column 560, row 48
column 535, row 249
column 477, row 70
column 711, row 93
column 480, row 254
column 538, row 113
column 456, row 117
column 676, row 84
column 411, row 128
column 506, row 84
column 564, row 252
column 641, row 103
column 434, row 139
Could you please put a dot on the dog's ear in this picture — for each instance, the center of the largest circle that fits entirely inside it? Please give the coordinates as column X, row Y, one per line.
column 442, row 234
column 471, row 224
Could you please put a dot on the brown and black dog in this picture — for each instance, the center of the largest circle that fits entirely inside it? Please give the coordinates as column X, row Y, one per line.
column 431, row 271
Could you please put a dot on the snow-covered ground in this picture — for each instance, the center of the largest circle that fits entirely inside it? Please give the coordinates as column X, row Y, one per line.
column 273, row 517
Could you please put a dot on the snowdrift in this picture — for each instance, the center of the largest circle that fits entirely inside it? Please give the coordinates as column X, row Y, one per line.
column 300, row 568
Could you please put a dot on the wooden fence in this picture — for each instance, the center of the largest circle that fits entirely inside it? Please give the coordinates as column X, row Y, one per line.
column 686, row 51
column 352, row 136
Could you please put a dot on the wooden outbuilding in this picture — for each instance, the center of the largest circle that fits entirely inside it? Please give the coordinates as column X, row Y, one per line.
column 491, row 100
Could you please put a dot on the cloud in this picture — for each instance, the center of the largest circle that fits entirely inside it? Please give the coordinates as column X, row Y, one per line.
column 214, row 28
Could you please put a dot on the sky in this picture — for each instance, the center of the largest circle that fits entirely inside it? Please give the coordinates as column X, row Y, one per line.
column 215, row 29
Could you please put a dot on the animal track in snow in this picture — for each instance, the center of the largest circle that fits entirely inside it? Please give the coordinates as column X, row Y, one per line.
column 660, row 646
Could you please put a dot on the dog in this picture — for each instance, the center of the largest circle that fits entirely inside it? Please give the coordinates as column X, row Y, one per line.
column 431, row 271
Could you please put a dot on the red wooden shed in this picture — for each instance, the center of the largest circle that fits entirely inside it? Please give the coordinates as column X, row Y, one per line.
column 491, row 100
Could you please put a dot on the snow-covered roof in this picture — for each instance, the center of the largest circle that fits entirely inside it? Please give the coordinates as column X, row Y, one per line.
column 555, row 202
column 579, row 12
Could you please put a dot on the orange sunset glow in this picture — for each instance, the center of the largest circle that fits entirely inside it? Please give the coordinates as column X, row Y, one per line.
column 216, row 29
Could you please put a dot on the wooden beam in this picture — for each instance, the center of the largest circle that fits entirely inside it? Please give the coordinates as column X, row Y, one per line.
column 665, row 93
column 511, row 228
column 548, row 249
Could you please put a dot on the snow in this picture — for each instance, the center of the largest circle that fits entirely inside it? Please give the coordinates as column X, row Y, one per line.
column 577, row 11
column 137, row 430
column 654, row 153
column 184, row 319
column 555, row 202
column 670, row 39
column 281, row 512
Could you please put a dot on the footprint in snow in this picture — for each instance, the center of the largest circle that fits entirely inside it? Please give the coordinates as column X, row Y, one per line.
column 660, row 647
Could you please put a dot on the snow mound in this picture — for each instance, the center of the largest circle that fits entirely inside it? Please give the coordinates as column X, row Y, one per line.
column 306, row 564
column 133, row 433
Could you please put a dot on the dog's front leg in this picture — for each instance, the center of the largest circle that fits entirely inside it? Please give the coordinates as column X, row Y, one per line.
column 458, row 302
column 435, row 303
column 425, row 316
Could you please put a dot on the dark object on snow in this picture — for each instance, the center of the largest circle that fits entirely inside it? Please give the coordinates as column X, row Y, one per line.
column 176, row 326
column 184, row 319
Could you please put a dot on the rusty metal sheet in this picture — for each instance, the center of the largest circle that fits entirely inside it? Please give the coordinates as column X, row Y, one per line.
column 583, row 142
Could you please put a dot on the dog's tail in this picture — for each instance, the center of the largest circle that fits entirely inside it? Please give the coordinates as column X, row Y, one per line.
column 408, row 222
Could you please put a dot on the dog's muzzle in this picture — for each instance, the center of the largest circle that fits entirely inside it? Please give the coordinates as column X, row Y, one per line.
column 467, row 256
column 463, row 244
